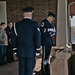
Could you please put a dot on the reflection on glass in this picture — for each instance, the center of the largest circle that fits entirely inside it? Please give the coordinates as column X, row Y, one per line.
column 73, row 29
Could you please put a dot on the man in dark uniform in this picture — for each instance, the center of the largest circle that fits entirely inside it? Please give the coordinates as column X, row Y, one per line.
column 28, row 42
column 9, row 51
column 47, row 31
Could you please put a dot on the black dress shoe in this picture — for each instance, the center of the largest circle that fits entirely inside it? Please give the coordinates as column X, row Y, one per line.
column 43, row 73
column 1, row 64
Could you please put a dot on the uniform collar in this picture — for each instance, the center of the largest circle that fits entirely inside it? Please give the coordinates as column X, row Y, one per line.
column 27, row 18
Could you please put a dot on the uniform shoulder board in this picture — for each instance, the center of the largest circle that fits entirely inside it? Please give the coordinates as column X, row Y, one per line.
column 42, row 24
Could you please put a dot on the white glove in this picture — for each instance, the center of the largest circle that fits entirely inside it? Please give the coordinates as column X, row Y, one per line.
column 37, row 54
column 14, row 48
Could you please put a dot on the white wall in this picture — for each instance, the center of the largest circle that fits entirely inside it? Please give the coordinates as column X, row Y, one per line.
column 3, row 13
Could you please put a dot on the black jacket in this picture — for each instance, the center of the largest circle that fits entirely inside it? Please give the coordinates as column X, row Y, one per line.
column 46, row 34
column 28, row 38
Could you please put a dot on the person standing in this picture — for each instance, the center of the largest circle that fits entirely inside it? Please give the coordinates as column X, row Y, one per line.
column 9, row 52
column 28, row 42
column 47, row 31
column 3, row 43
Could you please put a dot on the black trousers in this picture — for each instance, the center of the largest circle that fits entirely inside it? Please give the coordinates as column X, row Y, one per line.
column 9, row 53
column 45, row 56
column 26, row 66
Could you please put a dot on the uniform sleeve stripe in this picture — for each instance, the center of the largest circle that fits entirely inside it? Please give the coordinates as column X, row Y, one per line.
column 52, row 30
column 38, row 48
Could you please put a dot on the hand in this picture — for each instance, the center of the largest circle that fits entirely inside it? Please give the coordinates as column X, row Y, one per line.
column 37, row 54
column 14, row 48
column 10, row 40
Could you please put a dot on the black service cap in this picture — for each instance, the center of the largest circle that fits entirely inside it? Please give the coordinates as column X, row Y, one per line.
column 51, row 14
column 28, row 9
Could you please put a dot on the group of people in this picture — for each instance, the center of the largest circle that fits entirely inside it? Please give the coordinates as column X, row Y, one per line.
column 30, row 37
column 6, row 46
